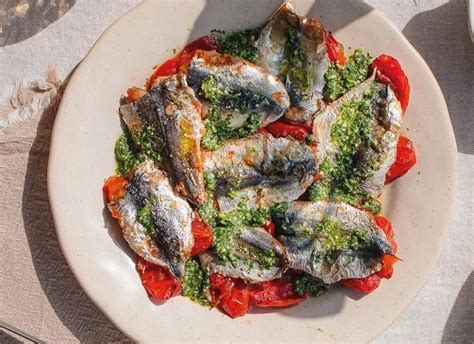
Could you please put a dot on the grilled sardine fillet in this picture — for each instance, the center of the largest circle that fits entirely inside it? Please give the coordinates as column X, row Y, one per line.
column 259, row 257
column 331, row 240
column 264, row 169
column 156, row 222
column 386, row 119
column 293, row 48
column 172, row 114
column 239, row 88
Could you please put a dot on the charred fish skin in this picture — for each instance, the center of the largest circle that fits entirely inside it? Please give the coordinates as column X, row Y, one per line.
column 261, row 168
column 165, row 239
column 374, row 143
column 238, row 84
column 249, row 265
column 173, row 112
column 331, row 240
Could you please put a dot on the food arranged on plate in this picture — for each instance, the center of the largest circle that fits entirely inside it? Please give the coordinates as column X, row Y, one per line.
column 251, row 165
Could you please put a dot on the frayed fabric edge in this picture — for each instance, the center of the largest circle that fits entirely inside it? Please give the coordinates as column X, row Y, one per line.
column 28, row 98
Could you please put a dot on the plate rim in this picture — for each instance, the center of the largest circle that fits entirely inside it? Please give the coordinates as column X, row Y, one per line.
column 123, row 326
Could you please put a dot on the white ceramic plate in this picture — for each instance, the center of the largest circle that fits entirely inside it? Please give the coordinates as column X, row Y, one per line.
column 87, row 126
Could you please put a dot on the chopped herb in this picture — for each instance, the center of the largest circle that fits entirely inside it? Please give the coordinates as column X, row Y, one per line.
column 339, row 79
column 306, row 284
column 209, row 212
column 124, row 156
column 195, row 282
column 210, row 181
column 238, row 43
column 145, row 218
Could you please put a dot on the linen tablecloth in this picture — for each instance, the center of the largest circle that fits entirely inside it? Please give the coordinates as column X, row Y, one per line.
column 38, row 292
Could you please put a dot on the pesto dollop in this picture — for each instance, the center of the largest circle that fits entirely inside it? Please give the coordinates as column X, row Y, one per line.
column 339, row 79
column 228, row 225
column 305, row 284
column 217, row 123
column 145, row 218
column 238, row 43
column 195, row 282
column 341, row 178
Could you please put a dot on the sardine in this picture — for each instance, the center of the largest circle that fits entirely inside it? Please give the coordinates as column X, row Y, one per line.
column 174, row 114
column 293, row 48
column 386, row 119
column 241, row 84
column 170, row 242
column 264, row 169
column 250, row 243
column 312, row 250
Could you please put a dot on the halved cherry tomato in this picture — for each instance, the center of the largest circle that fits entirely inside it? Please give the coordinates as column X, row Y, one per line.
column 406, row 159
column 282, row 129
column 391, row 73
column 202, row 234
column 386, row 226
column 114, row 188
column 236, row 303
column 278, row 293
column 335, row 49
column 269, row 226
column 364, row 285
column 387, row 268
column 172, row 65
column 157, row 280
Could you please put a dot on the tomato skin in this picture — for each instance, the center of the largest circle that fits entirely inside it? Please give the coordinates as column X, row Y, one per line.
column 269, row 226
column 391, row 73
column 386, row 226
column 387, row 268
column 335, row 50
column 278, row 293
column 231, row 295
column 282, row 129
column 203, row 43
column 159, row 283
column 114, row 188
column 202, row 234
column 405, row 160
column 172, row 65
column 364, row 285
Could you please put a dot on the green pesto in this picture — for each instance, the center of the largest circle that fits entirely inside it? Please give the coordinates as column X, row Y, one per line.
column 351, row 132
column 124, row 156
column 195, row 282
column 147, row 144
column 238, row 43
column 295, row 67
column 339, row 79
column 305, row 284
column 145, row 218
column 210, row 181
column 228, row 225
column 330, row 234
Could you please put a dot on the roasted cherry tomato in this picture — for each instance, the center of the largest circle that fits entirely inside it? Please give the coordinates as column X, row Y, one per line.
column 236, row 303
column 406, row 159
column 135, row 93
column 390, row 72
column 364, row 285
column 219, row 287
column 114, row 188
column 172, row 65
column 282, row 129
column 202, row 234
column 387, row 268
column 159, row 283
column 278, row 293
column 335, row 50
column 269, row 226
column 386, row 226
